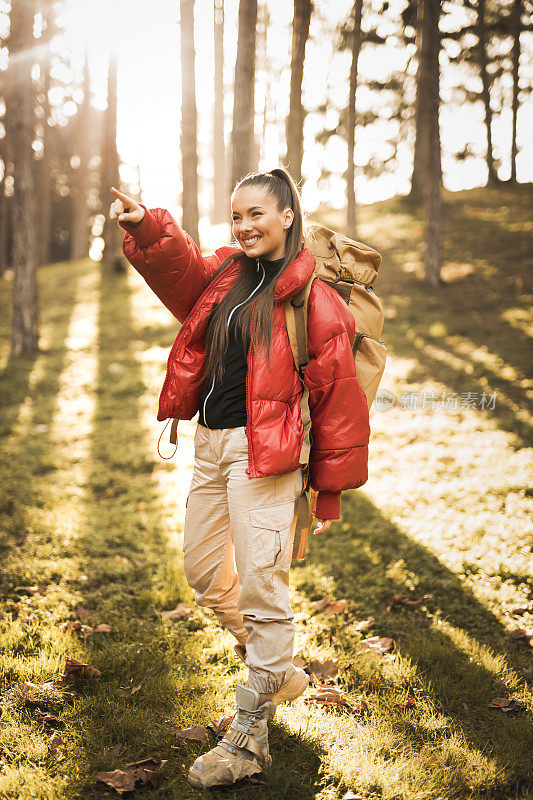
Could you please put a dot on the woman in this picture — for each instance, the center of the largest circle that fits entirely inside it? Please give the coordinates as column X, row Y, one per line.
column 232, row 363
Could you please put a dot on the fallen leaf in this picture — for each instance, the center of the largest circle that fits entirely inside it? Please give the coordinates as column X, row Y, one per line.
column 364, row 624
column 31, row 590
column 522, row 635
column 329, row 696
column 375, row 643
column 71, row 625
column 127, row 691
column 74, row 670
column 182, row 611
column 195, row 734
column 323, row 669
column 122, row 560
column 327, row 606
column 403, row 600
column 220, row 726
column 103, row 627
column 113, row 751
column 55, row 742
column 507, row 704
column 132, row 775
column 42, row 716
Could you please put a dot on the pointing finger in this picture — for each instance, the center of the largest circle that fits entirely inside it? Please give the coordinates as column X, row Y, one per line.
column 122, row 196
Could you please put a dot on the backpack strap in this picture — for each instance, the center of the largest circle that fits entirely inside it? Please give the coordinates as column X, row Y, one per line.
column 296, row 317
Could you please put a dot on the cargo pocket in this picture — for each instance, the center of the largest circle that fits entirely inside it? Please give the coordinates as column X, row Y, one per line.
column 269, row 546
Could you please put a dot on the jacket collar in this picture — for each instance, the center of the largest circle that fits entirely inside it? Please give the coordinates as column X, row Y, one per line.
column 295, row 276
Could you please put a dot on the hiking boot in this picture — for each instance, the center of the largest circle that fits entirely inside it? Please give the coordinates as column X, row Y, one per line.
column 244, row 748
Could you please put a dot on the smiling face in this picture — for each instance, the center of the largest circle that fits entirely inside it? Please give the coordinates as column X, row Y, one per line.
column 257, row 225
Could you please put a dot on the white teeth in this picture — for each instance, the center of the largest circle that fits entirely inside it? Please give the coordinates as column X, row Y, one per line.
column 251, row 241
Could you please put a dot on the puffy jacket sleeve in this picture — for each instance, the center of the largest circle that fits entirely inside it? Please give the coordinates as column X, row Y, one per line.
column 169, row 260
column 340, row 428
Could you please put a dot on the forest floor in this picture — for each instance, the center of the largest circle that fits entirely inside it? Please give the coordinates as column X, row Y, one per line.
column 91, row 527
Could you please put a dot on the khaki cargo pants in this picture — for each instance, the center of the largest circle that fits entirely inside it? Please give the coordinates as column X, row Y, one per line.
column 237, row 550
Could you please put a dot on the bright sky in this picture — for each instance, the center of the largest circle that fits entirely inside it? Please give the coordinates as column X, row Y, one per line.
column 146, row 37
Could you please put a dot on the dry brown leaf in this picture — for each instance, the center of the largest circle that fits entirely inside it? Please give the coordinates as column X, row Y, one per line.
column 522, row 635
column 132, row 775
column 327, row 606
column 75, row 670
column 55, row 742
column 31, row 590
column 42, row 716
column 403, row 600
column 220, row 726
column 113, row 751
column 323, row 669
column 71, row 625
column 127, row 691
column 182, row 611
column 103, row 627
column 377, row 644
column 329, row 696
column 507, row 704
column 197, row 733
column 364, row 624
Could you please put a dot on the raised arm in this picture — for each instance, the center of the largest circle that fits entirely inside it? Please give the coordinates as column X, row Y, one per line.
column 164, row 254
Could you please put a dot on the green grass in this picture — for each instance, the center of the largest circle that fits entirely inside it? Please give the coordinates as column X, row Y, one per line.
column 443, row 516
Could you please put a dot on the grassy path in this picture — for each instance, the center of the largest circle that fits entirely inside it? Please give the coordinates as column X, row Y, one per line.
column 90, row 512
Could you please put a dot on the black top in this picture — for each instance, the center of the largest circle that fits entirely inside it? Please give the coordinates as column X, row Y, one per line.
column 224, row 405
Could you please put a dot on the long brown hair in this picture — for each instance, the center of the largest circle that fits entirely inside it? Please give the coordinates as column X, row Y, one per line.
column 279, row 184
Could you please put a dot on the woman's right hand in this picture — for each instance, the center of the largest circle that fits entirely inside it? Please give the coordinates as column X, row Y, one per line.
column 125, row 208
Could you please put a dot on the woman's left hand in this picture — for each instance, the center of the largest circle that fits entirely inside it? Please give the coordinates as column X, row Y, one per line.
column 323, row 525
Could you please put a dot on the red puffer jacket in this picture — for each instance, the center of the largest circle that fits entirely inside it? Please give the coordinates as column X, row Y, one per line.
column 182, row 278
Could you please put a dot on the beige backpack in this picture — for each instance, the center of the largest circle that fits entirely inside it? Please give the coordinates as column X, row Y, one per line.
column 350, row 268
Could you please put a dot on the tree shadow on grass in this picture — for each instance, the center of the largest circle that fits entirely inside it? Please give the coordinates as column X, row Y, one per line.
column 24, row 460
column 356, row 561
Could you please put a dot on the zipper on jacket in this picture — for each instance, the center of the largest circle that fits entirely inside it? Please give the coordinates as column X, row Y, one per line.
column 229, row 320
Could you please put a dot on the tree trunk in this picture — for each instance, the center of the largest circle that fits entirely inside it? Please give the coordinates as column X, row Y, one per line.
column 242, row 138
column 110, row 169
column 419, row 157
column 485, row 93
column 79, row 244
column 45, row 176
column 5, row 208
column 189, row 155
column 351, row 208
column 429, row 88
column 220, row 209
column 517, row 28
column 295, row 121
column 20, row 119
